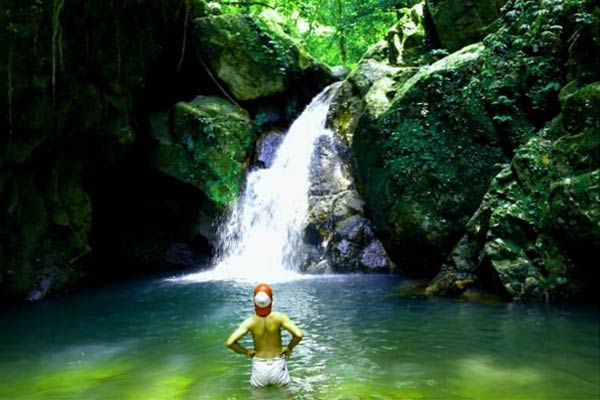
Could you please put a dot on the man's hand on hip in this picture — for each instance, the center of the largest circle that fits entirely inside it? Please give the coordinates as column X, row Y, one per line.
column 286, row 352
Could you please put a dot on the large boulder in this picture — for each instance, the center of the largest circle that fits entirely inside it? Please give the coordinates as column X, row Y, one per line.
column 425, row 163
column 204, row 143
column 429, row 139
column 252, row 56
column 537, row 228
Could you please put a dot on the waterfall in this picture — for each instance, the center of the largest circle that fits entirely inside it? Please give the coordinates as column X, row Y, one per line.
column 261, row 238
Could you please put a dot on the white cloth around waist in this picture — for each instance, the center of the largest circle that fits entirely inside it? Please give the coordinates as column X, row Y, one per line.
column 269, row 371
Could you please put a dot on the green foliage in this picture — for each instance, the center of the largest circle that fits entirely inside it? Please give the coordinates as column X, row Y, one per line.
column 334, row 31
column 525, row 66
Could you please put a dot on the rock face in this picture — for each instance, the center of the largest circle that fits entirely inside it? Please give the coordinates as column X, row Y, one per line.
column 538, row 227
column 424, row 164
column 72, row 73
column 54, row 222
column 266, row 148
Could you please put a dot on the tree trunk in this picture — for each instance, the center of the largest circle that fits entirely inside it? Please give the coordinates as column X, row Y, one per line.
column 342, row 31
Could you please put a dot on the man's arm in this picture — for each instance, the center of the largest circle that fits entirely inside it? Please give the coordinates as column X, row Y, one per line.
column 232, row 340
column 297, row 334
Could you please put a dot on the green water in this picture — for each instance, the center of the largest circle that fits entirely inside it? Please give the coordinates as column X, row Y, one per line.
column 155, row 339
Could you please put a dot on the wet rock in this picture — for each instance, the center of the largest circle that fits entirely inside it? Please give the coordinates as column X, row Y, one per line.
column 338, row 237
column 374, row 257
column 266, row 148
column 437, row 162
column 41, row 289
column 340, row 72
column 329, row 171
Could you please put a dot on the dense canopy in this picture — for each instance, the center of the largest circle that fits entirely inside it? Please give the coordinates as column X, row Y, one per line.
column 334, row 31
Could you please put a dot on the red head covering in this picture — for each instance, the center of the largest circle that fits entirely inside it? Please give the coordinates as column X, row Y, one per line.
column 263, row 299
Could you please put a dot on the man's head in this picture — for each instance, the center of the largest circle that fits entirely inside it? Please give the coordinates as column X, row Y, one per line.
column 263, row 299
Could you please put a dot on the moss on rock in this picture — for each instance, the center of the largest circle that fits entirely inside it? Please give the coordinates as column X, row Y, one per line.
column 429, row 145
column 251, row 56
column 204, row 143
column 427, row 160
column 539, row 223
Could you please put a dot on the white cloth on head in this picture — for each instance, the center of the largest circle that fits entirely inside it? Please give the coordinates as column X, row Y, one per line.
column 262, row 299
column 269, row 371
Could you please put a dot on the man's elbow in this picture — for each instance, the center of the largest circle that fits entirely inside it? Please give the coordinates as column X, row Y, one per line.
column 300, row 335
column 229, row 343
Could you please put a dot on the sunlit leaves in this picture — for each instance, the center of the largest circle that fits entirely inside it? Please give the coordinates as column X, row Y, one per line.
column 325, row 27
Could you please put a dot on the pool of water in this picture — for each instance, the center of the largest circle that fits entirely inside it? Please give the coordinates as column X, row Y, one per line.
column 159, row 339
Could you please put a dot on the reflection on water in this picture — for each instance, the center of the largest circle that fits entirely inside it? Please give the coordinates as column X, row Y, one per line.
column 164, row 340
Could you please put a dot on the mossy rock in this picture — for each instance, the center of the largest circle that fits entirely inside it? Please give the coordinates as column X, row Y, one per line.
column 574, row 154
column 405, row 43
column 538, row 225
column 26, row 218
column 577, row 102
column 248, row 55
column 574, row 208
column 69, row 208
column 204, row 143
column 74, row 78
column 425, row 163
column 2, row 263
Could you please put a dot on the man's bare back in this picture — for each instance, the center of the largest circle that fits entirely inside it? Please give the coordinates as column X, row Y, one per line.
column 265, row 328
column 266, row 335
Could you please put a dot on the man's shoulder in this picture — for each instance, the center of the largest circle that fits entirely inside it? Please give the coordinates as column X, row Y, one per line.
column 280, row 316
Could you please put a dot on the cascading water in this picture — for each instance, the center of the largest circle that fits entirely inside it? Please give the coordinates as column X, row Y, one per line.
column 261, row 238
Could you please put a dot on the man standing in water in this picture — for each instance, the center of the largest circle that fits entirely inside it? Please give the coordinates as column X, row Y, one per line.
column 269, row 365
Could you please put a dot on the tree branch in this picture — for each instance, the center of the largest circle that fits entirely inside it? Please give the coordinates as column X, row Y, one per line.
column 218, row 84
column 249, row 3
